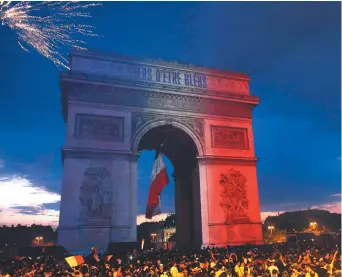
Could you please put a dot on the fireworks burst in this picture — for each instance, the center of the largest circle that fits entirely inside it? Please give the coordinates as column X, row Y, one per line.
column 47, row 34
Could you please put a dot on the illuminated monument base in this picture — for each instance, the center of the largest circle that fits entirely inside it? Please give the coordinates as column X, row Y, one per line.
column 115, row 107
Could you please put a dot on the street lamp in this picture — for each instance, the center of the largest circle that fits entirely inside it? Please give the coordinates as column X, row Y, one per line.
column 271, row 228
column 153, row 235
column 39, row 239
column 313, row 224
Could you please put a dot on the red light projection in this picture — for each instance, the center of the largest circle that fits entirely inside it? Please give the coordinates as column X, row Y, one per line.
column 230, row 165
column 234, row 199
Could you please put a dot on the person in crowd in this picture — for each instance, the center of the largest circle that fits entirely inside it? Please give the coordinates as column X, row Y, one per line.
column 174, row 270
column 282, row 260
column 239, row 269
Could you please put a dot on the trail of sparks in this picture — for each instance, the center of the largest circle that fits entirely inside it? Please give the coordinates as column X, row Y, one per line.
column 51, row 33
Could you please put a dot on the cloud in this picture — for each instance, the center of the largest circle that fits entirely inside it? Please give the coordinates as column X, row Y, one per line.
column 265, row 215
column 44, row 217
column 19, row 191
column 23, row 202
column 333, row 207
column 338, row 158
column 141, row 218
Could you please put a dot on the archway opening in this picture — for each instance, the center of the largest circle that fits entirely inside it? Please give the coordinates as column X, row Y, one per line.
column 180, row 149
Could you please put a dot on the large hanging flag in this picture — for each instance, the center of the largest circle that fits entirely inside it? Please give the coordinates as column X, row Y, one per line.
column 159, row 181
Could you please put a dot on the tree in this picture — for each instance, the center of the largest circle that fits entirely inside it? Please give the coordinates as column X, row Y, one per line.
column 145, row 230
column 24, row 236
column 170, row 221
column 300, row 220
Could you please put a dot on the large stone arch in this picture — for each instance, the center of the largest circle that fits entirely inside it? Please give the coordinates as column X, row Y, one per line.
column 110, row 103
column 158, row 122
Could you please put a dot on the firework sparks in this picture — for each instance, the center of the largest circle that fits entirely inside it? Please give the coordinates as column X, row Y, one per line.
column 51, row 33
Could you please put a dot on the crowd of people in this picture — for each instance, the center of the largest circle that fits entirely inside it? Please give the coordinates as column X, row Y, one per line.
column 283, row 260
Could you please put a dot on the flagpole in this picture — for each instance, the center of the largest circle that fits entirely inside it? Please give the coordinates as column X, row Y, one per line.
column 159, row 148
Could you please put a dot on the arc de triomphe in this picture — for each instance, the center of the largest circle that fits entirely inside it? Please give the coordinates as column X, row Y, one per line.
column 115, row 106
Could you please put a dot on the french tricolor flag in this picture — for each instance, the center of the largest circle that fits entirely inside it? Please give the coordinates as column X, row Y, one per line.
column 158, row 183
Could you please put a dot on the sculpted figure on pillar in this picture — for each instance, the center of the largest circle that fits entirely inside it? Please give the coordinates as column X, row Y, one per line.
column 234, row 199
column 96, row 195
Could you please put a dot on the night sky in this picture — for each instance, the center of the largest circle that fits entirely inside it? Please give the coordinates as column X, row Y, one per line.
column 290, row 50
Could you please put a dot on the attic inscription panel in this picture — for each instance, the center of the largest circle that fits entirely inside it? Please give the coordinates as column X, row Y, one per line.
column 229, row 137
column 99, row 127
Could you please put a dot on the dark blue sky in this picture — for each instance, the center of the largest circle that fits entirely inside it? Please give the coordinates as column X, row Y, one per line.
column 290, row 50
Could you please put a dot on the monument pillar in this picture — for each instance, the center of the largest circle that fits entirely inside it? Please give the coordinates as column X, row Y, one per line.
column 196, row 208
column 98, row 203
column 183, row 210
column 233, row 202
column 133, row 198
column 204, row 202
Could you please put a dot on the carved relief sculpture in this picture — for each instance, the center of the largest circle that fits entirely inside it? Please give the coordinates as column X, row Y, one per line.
column 194, row 124
column 99, row 127
column 234, row 199
column 96, row 196
column 229, row 137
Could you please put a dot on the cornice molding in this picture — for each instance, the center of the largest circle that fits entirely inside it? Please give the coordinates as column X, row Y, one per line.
column 136, row 110
column 211, row 159
column 87, row 153
column 129, row 97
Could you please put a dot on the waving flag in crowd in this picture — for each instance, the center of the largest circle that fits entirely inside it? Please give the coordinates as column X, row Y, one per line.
column 74, row 261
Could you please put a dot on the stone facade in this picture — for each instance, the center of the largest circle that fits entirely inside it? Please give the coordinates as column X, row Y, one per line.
column 110, row 103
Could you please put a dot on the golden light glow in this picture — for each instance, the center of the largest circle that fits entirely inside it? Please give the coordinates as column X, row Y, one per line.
column 271, row 228
column 39, row 239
